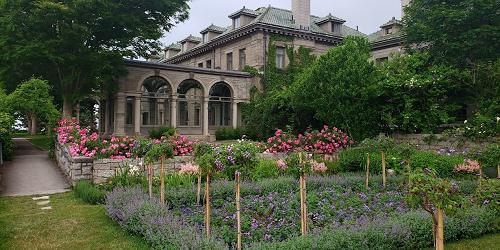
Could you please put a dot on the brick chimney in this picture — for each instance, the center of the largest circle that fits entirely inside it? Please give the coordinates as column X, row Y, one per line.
column 301, row 10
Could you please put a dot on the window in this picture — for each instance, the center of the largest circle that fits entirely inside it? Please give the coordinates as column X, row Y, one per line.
column 129, row 110
column 388, row 31
column 333, row 28
column 200, row 65
column 236, row 23
column 280, row 57
column 155, row 103
column 229, row 61
column 209, row 64
column 243, row 58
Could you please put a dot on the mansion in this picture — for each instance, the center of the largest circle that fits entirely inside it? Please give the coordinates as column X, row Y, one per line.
column 197, row 85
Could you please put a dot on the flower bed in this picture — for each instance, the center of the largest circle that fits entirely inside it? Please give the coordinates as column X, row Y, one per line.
column 340, row 209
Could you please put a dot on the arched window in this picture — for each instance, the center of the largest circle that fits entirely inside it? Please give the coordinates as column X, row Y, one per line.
column 219, row 106
column 190, row 99
column 155, row 102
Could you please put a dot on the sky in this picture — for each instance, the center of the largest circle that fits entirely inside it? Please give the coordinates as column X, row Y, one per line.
column 368, row 15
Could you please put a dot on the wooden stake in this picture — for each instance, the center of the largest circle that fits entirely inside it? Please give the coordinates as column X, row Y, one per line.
column 367, row 170
column 150, row 180
column 198, row 194
column 383, row 170
column 302, row 226
column 440, row 230
column 162, row 183
column 498, row 171
column 207, row 206
column 238, row 218
column 480, row 175
column 305, row 203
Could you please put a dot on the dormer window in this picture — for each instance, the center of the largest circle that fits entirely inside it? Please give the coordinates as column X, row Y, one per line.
column 205, row 38
column 184, row 47
column 236, row 23
column 388, row 31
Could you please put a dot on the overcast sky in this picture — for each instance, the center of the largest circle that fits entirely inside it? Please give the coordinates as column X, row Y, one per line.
column 367, row 14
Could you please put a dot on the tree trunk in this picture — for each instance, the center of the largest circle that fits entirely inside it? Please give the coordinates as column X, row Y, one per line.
column 33, row 127
column 67, row 107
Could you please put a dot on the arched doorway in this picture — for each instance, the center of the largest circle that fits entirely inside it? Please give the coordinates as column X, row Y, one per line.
column 189, row 106
column 219, row 106
column 155, row 102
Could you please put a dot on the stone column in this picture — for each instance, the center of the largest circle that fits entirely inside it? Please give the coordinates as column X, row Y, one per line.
column 137, row 115
column 234, row 118
column 106, row 117
column 120, row 116
column 205, row 115
column 173, row 112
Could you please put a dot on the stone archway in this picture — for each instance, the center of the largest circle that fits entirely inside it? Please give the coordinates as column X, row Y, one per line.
column 190, row 107
column 220, row 106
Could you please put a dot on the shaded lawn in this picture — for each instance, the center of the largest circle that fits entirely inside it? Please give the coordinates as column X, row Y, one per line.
column 491, row 241
column 41, row 140
column 71, row 224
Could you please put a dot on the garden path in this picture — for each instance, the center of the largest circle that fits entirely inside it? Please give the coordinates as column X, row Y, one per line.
column 31, row 172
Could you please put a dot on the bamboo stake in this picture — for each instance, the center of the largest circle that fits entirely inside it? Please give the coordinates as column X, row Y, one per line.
column 305, row 203
column 150, row 180
column 498, row 171
column 440, row 230
column 198, row 194
column 162, row 183
column 480, row 175
column 207, row 206
column 238, row 218
column 383, row 170
column 302, row 226
column 367, row 170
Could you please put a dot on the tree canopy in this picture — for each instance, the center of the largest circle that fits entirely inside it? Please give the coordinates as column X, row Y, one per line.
column 78, row 45
column 460, row 31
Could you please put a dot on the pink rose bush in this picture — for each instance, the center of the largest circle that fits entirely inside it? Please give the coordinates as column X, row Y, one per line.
column 182, row 145
column 325, row 141
column 468, row 167
column 318, row 167
column 189, row 168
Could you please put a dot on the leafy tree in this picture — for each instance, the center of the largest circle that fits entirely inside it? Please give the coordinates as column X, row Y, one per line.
column 6, row 123
column 464, row 32
column 417, row 96
column 78, row 45
column 339, row 88
column 33, row 101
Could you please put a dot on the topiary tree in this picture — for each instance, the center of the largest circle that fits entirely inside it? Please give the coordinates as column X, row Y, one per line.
column 434, row 195
column 159, row 152
column 32, row 100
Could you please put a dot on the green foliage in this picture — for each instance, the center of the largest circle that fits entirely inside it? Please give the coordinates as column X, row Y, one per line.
column 89, row 193
column 460, row 31
column 488, row 156
column 6, row 123
column 431, row 192
column 32, row 100
column 418, row 96
column 265, row 169
column 479, row 127
column 487, row 194
column 158, row 151
column 162, row 132
column 442, row 164
column 229, row 133
column 345, row 73
column 79, row 46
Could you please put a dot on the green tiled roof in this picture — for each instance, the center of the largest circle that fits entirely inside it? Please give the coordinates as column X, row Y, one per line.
column 244, row 11
column 214, row 28
column 174, row 46
column 191, row 38
column 330, row 18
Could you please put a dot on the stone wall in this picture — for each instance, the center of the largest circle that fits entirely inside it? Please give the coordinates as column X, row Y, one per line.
column 435, row 142
column 98, row 171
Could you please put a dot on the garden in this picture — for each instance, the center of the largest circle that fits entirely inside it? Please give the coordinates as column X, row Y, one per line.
column 319, row 190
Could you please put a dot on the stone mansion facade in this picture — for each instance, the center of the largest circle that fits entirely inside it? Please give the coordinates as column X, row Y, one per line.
column 197, row 85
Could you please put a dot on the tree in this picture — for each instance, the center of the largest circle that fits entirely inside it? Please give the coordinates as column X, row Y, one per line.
column 464, row 32
column 78, row 45
column 339, row 88
column 33, row 101
column 417, row 95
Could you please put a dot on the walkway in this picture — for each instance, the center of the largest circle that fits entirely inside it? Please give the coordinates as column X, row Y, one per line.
column 31, row 172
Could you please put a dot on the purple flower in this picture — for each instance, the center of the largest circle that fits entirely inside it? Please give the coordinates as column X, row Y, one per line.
column 231, row 160
column 218, row 165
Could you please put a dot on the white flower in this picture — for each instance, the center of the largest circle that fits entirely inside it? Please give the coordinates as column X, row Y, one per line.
column 498, row 119
column 140, row 163
column 465, row 121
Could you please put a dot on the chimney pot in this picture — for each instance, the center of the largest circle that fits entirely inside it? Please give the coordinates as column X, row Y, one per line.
column 301, row 12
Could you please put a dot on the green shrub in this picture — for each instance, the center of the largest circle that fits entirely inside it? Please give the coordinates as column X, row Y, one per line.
column 89, row 193
column 6, row 122
column 162, row 131
column 229, row 134
column 442, row 164
column 265, row 169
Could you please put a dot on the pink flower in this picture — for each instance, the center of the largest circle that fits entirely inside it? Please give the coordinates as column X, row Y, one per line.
column 189, row 168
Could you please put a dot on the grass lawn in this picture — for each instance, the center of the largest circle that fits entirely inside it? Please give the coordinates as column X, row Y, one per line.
column 491, row 241
column 71, row 224
column 39, row 140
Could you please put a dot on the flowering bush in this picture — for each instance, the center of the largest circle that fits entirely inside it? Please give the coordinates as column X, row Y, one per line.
column 325, row 141
column 318, row 167
column 468, row 167
column 182, row 146
column 189, row 168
